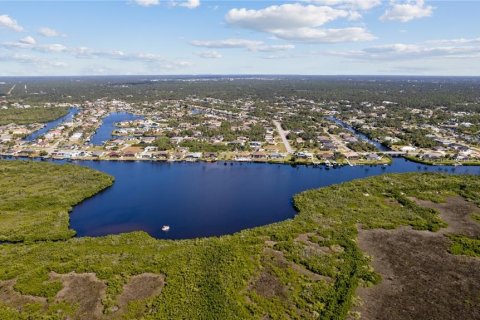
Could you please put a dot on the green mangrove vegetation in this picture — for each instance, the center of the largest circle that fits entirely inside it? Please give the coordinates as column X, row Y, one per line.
column 31, row 115
column 307, row 267
column 463, row 245
column 35, row 198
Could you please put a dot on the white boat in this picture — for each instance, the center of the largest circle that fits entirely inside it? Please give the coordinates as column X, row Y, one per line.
column 165, row 228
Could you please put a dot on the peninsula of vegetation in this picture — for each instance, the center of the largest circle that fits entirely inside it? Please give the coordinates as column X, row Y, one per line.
column 27, row 116
column 313, row 266
column 35, row 199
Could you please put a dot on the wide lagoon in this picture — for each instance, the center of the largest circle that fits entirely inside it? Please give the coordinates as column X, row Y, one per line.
column 207, row 199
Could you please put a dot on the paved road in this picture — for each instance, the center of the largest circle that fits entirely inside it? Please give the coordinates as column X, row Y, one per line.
column 283, row 135
column 11, row 89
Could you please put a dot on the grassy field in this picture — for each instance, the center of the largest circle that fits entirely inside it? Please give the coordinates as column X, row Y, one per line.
column 304, row 268
column 31, row 115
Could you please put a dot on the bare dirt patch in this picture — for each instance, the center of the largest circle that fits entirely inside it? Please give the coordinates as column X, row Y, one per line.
column 83, row 289
column 269, row 286
column 420, row 279
column 457, row 213
column 13, row 298
column 142, row 286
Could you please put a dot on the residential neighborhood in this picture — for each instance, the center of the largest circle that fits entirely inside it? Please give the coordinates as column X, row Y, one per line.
column 286, row 131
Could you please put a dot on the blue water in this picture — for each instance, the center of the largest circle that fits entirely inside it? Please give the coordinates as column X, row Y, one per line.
column 52, row 124
column 206, row 199
column 360, row 135
column 104, row 132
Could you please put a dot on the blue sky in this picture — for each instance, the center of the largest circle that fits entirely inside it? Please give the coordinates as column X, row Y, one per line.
column 404, row 37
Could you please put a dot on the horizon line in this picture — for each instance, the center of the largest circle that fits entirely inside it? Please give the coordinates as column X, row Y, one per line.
column 241, row 75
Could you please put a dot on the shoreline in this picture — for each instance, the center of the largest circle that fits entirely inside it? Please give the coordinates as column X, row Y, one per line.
column 451, row 163
column 266, row 161
column 306, row 162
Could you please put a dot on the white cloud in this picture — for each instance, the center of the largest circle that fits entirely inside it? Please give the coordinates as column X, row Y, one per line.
column 147, row 3
column 353, row 34
column 251, row 45
column 459, row 41
column 9, row 23
column 285, row 16
column 29, row 59
column 279, row 56
column 299, row 22
column 409, row 10
column 212, row 54
column 53, row 48
column 157, row 60
column 350, row 4
column 29, row 43
column 454, row 48
column 28, row 40
column 49, row 32
column 227, row 43
column 190, row 4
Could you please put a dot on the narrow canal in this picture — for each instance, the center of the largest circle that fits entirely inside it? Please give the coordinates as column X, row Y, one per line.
column 52, row 124
column 360, row 135
column 105, row 131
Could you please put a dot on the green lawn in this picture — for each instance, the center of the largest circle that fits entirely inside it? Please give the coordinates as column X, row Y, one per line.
column 304, row 268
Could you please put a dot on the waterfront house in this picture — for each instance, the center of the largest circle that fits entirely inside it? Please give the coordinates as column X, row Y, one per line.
column 178, row 155
column 26, row 153
column 131, row 152
column 373, row 157
column 258, row 155
column 433, row 155
column 97, row 154
column 160, row 155
column 277, row 155
column 145, row 155
column 352, row 155
column 407, row 149
column 304, row 155
column 193, row 155
column 210, row 155
column 326, row 156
